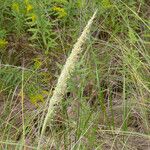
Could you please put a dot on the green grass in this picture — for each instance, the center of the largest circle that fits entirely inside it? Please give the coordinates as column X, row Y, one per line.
column 108, row 96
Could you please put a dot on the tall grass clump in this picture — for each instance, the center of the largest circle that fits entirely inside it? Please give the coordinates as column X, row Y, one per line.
column 101, row 98
column 61, row 86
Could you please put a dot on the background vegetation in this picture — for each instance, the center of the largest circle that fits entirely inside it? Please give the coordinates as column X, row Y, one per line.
column 108, row 99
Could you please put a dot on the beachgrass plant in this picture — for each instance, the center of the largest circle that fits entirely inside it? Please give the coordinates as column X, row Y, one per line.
column 107, row 100
column 68, row 69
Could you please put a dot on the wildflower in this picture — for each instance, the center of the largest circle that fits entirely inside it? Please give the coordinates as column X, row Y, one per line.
column 15, row 7
column 37, row 64
column 3, row 43
column 26, row 2
column 61, row 11
column 36, row 98
column 29, row 8
column 106, row 3
column 33, row 17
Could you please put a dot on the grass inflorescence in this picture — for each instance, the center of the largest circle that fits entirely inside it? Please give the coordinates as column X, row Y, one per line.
column 100, row 98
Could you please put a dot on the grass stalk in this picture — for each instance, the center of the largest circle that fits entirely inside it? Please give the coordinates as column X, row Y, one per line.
column 68, row 69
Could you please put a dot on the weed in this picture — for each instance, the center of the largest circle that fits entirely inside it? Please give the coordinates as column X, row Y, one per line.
column 106, row 105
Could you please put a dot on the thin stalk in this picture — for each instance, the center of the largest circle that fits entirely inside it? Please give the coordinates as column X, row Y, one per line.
column 68, row 69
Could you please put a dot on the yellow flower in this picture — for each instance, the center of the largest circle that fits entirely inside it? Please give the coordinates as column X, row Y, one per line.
column 15, row 7
column 37, row 64
column 26, row 2
column 61, row 11
column 3, row 43
column 106, row 3
column 29, row 8
column 33, row 17
column 36, row 98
